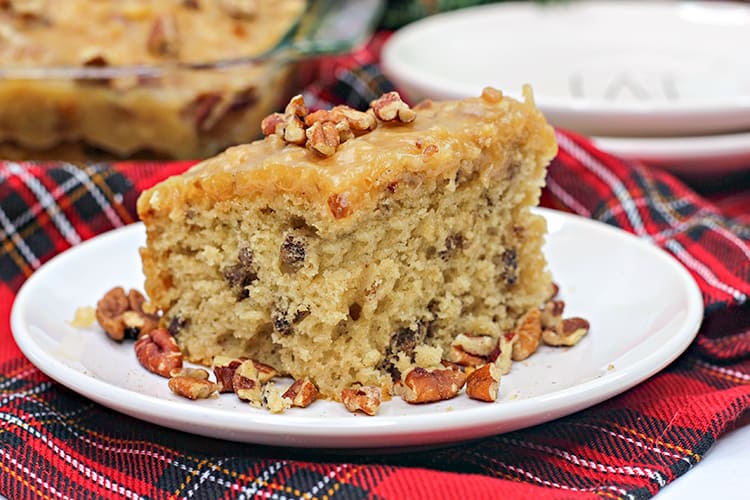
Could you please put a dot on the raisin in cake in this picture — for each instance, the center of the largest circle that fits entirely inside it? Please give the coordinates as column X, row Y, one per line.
column 347, row 246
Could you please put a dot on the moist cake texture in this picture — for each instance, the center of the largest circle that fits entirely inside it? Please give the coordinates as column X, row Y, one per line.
column 352, row 267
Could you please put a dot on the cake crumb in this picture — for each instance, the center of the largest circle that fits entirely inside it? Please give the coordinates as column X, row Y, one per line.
column 426, row 355
column 273, row 400
column 84, row 317
column 610, row 367
column 513, row 396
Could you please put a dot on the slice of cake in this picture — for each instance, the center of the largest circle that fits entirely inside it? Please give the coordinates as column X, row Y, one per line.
column 351, row 246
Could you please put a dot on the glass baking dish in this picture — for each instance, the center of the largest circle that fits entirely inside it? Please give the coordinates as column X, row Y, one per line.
column 188, row 108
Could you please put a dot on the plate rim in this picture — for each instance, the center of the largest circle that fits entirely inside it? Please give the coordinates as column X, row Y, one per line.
column 390, row 431
column 576, row 110
column 703, row 155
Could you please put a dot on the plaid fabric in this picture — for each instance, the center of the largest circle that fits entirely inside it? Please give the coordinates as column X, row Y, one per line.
column 56, row 444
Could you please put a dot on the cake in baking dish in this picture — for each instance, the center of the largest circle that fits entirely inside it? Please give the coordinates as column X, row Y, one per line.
column 348, row 246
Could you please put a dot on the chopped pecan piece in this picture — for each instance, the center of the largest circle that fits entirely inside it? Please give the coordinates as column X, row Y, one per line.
column 483, row 383
column 339, row 206
column 296, row 107
column 502, row 355
column 457, row 355
column 302, row 393
column 419, row 385
column 27, row 9
column 390, row 108
column 492, row 95
column 92, row 57
column 224, row 368
column 359, row 122
column 191, row 387
column 323, row 138
column 365, row 399
column 273, row 124
column 567, row 333
column 198, row 373
column 122, row 316
column 478, row 345
column 158, row 352
column 346, row 119
column 162, row 39
column 246, row 383
column 207, row 108
column 289, row 126
column 552, row 313
column 554, row 289
column 294, row 131
column 529, row 332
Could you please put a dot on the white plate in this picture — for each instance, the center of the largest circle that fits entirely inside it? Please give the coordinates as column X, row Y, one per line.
column 695, row 156
column 643, row 306
column 601, row 68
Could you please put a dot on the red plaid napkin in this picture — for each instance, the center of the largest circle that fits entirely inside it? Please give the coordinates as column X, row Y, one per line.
column 54, row 443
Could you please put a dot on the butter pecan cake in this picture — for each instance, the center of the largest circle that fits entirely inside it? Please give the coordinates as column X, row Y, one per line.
column 358, row 248
column 153, row 105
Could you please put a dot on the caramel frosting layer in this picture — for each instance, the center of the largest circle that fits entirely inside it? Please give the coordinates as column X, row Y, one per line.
column 367, row 167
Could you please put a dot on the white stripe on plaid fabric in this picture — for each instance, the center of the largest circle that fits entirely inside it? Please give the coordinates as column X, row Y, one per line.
column 567, row 198
column 47, row 202
column 724, row 371
column 692, row 263
column 38, row 389
column 256, row 487
column 590, row 464
column 9, row 230
column 702, row 217
column 202, row 479
column 621, row 192
column 33, row 211
column 741, row 245
column 18, row 377
column 87, row 472
column 251, row 490
column 84, row 178
column 325, row 480
column 26, row 472
column 529, row 475
column 633, row 441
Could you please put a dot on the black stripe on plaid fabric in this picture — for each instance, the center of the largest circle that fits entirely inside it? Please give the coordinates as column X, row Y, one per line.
column 357, row 87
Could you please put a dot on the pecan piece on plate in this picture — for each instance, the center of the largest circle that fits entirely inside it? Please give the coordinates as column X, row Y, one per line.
column 567, row 333
column 302, row 393
column 420, row 385
column 366, row 399
column 529, row 332
column 122, row 316
column 158, row 352
column 483, row 383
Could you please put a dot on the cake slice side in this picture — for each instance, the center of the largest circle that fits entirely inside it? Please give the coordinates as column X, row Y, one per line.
column 436, row 239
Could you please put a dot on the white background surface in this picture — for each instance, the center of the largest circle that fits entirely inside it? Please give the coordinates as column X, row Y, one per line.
column 723, row 473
